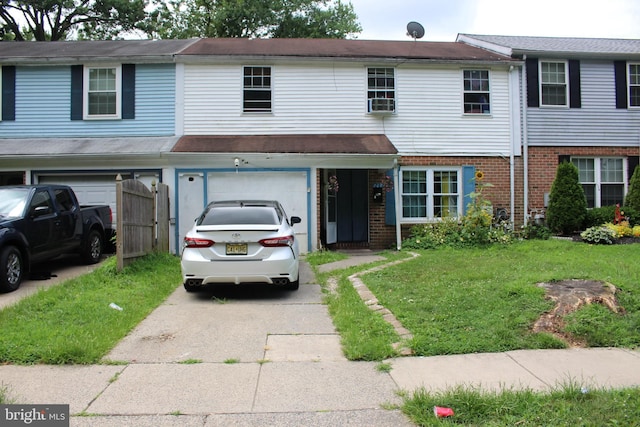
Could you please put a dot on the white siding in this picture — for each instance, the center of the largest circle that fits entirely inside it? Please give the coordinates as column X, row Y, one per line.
column 331, row 99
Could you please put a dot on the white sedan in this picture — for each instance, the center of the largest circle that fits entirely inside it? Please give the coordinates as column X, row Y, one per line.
column 243, row 241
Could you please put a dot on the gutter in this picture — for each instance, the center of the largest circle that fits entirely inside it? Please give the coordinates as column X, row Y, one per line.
column 525, row 142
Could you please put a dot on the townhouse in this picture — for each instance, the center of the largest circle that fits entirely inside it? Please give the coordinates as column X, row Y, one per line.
column 582, row 105
column 362, row 139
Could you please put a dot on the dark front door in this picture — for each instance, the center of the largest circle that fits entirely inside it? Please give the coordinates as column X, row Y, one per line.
column 353, row 206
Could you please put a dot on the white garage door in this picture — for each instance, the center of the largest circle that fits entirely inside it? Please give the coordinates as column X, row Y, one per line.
column 289, row 188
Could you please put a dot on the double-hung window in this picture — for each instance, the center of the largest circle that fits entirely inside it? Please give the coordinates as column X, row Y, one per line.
column 381, row 90
column 554, row 89
column 430, row 193
column 476, row 92
column 102, row 96
column 634, row 84
column 256, row 90
column 602, row 179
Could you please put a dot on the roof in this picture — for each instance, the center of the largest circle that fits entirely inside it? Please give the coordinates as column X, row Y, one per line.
column 300, row 144
column 568, row 46
column 55, row 147
column 340, row 48
column 73, row 51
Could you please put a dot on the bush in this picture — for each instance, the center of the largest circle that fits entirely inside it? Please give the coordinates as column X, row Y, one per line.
column 633, row 196
column 598, row 235
column 533, row 231
column 605, row 214
column 567, row 203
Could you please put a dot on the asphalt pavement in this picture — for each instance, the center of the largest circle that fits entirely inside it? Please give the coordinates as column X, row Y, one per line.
column 259, row 356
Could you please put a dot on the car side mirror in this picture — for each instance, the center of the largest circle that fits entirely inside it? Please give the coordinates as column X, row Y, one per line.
column 295, row 220
column 39, row 211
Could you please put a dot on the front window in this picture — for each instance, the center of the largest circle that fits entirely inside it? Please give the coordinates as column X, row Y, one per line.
column 602, row 180
column 553, row 83
column 476, row 92
column 634, row 85
column 381, row 90
column 257, row 89
column 430, row 194
column 102, row 93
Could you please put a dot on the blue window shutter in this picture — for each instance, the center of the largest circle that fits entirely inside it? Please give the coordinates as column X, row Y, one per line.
column 128, row 91
column 468, row 185
column 533, row 95
column 76, row 91
column 620, row 70
column 390, row 202
column 8, row 93
column 575, row 96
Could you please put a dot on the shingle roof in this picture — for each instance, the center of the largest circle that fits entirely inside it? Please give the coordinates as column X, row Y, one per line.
column 69, row 51
column 519, row 45
column 340, row 48
column 302, row 144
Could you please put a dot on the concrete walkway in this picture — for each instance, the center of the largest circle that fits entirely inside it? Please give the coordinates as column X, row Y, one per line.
column 257, row 356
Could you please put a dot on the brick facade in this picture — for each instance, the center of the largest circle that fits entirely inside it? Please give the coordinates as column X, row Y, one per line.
column 543, row 163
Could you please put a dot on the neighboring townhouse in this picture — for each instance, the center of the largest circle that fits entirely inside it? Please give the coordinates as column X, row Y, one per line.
column 362, row 139
column 582, row 105
column 80, row 113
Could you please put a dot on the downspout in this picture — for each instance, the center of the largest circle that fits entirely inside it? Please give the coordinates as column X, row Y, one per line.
column 512, row 171
column 525, row 141
column 396, row 194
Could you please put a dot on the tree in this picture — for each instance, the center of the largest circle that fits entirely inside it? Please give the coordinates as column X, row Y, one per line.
column 252, row 18
column 633, row 196
column 567, row 203
column 49, row 20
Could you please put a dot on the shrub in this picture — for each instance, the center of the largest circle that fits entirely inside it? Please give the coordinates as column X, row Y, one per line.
column 620, row 230
column 533, row 231
column 567, row 203
column 599, row 216
column 598, row 235
column 632, row 200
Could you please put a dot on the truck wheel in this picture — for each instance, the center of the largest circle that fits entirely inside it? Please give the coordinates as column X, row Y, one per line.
column 11, row 269
column 93, row 248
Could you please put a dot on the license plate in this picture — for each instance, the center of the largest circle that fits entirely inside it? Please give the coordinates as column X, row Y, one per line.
column 236, row 248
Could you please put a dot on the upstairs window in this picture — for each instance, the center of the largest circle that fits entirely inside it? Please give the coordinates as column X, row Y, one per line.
column 553, row 83
column 476, row 92
column 634, row 85
column 257, row 90
column 381, row 90
column 102, row 97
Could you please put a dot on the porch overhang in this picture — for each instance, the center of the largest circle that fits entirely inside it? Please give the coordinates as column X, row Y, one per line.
column 309, row 150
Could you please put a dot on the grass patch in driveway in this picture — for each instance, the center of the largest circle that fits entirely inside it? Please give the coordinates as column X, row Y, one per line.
column 73, row 322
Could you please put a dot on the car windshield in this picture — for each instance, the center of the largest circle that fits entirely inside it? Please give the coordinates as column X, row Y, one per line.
column 219, row 215
column 13, row 202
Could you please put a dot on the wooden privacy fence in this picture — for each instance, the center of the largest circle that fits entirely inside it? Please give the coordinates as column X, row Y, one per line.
column 142, row 220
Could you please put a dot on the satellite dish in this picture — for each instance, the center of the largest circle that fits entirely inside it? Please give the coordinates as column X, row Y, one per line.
column 415, row 30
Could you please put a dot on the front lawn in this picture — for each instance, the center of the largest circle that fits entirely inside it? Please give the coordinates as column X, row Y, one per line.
column 486, row 299
column 73, row 322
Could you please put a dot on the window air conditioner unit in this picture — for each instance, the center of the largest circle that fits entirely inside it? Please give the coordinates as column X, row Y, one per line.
column 382, row 105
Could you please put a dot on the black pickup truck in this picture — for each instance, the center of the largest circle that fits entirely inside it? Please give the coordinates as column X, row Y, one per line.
column 42, row 222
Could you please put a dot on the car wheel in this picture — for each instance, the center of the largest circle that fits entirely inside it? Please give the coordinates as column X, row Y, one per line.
column 11, row 269
column 93, row 247
column 293, row 286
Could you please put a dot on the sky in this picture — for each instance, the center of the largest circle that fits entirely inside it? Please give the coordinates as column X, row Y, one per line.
column 444, row 19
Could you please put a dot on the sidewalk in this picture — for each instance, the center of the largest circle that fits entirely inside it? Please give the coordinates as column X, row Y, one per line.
column 273, row 358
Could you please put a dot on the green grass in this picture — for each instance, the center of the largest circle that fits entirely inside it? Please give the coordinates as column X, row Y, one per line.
column 457, row 301
column 569, row 405
column 324, row 257
column 72, row 323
